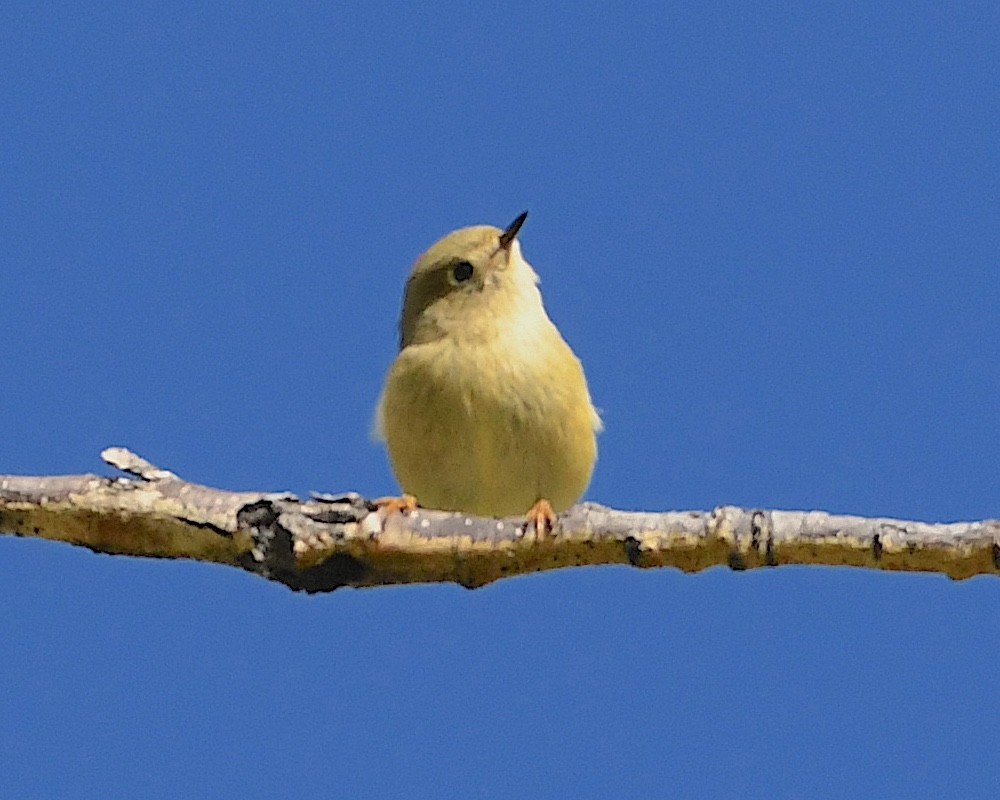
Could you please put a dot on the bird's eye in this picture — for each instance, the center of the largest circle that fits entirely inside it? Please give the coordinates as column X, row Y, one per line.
column 462, row 271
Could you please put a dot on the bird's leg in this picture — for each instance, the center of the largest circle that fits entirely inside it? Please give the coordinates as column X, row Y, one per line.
column 542, row 517
column 404, row 504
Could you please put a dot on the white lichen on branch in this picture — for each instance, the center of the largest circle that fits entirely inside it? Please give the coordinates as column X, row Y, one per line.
column 329, row 541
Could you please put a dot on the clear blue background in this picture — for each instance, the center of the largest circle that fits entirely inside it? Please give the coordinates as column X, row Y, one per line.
column 771, row 232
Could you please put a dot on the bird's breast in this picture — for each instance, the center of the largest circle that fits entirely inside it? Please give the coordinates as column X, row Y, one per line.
column 489, row 424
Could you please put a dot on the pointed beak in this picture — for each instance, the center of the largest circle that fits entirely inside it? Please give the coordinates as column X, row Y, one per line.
column 510, row 234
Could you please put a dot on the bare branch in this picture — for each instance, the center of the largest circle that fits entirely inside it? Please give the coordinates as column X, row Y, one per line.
column 330, row 541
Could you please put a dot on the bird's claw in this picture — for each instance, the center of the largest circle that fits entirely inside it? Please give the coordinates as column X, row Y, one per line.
column 405, row 504
column 542, row 517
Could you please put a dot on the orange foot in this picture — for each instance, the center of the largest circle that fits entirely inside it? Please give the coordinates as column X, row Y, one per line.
column 405, row 504
column 542, row 517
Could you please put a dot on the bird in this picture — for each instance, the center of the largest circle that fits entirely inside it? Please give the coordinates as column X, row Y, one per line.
column 485, row 409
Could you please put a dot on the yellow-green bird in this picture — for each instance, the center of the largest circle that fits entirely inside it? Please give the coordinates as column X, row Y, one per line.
column 486, row 408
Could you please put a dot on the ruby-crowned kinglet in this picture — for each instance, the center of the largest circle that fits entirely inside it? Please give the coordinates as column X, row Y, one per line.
column 486, row 408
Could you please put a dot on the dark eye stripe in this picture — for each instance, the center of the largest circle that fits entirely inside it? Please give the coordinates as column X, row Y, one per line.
column 462, row 271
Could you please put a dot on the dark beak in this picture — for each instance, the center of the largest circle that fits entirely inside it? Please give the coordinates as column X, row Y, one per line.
column 510, row 234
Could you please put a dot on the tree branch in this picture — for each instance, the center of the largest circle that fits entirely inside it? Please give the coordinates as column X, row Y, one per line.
column 332, row 541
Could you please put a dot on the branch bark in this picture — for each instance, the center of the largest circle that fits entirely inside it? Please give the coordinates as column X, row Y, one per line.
column 330, row 541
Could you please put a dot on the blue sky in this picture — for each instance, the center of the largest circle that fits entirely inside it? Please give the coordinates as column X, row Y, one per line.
column 769, row 231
